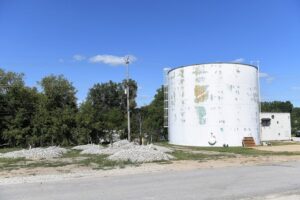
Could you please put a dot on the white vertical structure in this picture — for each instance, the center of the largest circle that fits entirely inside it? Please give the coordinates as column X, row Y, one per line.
column 213, row 104
column 275, row 126
column 166, row 105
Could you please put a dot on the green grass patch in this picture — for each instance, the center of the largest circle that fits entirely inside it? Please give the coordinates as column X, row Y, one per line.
column 72, row 154
column 16, row 163
column 9, row 149
column 233, row 150
column 163, row 162
column 186, row 155
column 245, row 151
column 46, row 164
column 11, row 163
column 101, row 162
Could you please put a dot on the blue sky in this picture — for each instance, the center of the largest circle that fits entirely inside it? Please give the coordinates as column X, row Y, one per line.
column 42, row 37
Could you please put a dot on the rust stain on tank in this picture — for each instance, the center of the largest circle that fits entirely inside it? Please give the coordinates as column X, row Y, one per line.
column 201, row 93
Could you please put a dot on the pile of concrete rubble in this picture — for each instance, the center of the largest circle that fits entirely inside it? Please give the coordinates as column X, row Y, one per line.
column 118, row 151
column 89, row 148
column 36, row 153
column 128, row 151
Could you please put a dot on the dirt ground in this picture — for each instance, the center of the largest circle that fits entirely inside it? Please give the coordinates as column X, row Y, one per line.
column 41, row 174
column 79, row 171
column 282, row 148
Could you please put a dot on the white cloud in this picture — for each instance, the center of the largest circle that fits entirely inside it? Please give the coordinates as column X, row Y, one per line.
column 267, row 77
column 238, row 60
column 296, row 88
column 111, row 59
column 61, row 60
column 78, row 57
column 263, row 75
column 270, row 79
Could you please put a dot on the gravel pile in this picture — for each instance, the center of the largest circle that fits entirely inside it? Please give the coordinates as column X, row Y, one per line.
column 84, row 147
column 124, row 150
column 111, row 149
column 36, row 153
column 93, row 149
column 140, row 154
column 122, row 144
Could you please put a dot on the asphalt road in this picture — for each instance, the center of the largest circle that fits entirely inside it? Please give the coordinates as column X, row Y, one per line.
column 283, row 180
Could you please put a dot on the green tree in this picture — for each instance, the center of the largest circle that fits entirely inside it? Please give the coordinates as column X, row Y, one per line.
column 85, row 132
column 22, row 107
column 132, row 94
column 103, row 97
column 51, row 117
column 8, row 81
column 18, row 106
column 153, row 115
column 277, row 106
column 295, row 120
column 104, row 110
column 113, row 122
column 55, row 121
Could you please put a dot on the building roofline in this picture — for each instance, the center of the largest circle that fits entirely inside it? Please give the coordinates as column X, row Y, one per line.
column 183, row 66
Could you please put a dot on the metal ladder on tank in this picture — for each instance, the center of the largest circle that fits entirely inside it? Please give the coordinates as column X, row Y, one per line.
column 166, row 103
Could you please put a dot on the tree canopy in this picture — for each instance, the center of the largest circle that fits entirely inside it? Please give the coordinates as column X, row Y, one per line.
column 104, row 111
column 277, row 106
column 153, row 115
column 52, row 116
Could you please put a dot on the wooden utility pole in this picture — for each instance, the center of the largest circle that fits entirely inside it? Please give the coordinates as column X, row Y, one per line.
column 128, row 100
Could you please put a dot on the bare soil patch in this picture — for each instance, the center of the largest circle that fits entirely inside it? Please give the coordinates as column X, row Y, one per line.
column 42, row 174
column 74, row 165
column 281, row 148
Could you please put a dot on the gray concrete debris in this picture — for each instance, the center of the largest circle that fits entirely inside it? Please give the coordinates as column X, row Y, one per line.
column 124, row 150
column 140, row 154
column 86, row 146
column 36, row 153
column 92, row 149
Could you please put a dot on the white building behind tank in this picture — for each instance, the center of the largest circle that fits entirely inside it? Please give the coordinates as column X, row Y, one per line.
column 275, row 126
column 213, row 104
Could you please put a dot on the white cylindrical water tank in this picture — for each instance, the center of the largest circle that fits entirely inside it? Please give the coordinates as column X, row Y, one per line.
column 213, row 104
